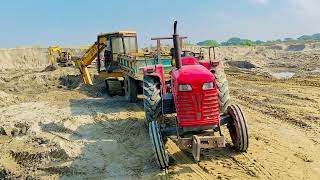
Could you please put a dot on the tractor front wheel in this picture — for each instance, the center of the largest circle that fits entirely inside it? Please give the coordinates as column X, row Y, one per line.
column 153, row 106
column 238, row 128
column 159, row 150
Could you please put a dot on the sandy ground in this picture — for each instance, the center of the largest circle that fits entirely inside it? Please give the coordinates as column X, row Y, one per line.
column 29, row 58
column 53, row 127
column 271, row 59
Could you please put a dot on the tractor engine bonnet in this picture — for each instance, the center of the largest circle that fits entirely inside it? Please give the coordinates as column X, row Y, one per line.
column 189, row 74
column 197, row 107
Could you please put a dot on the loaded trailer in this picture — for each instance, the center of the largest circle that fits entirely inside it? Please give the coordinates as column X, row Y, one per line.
column 121, row 64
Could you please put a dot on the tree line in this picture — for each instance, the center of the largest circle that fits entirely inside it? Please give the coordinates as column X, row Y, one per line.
column 235, row 41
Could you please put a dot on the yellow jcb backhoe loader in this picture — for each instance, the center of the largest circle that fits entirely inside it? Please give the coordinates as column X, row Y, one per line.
column 63, row 59
column 113, row 44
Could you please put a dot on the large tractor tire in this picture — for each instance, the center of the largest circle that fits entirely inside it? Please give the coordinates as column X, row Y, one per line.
column 113, row 86
column 223, row 86
column 152, row 106
column 160, row 154
column 238, row 128
column 152, row 98
column 131, row 89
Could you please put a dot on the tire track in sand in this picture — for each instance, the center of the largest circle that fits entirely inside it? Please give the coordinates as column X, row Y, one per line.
column 181, row 158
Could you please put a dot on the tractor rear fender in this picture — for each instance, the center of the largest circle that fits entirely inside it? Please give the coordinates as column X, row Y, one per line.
column 156, row 71
column 215, row 64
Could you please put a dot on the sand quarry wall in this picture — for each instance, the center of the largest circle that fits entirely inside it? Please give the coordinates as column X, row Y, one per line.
column 27, row 58
column 23, row 58
column 260, row 56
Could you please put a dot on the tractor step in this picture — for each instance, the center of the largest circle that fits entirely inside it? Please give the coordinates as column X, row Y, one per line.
column 201, row 142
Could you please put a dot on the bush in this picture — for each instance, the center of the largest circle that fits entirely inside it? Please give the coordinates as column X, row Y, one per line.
column 208, row 43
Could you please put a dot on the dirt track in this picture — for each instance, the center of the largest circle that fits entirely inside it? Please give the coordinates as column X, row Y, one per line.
column 57, row 128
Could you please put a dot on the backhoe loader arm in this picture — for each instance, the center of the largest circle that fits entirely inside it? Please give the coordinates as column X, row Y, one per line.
column 87, row 59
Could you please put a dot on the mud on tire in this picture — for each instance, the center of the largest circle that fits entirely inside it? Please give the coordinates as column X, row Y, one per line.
column 223, row 86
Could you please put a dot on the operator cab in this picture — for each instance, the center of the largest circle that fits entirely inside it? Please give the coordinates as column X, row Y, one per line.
column 122, row 42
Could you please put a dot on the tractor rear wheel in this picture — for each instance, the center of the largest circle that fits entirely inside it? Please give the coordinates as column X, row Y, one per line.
column 113, row 86
column 131, row 89
column 152, row 98
column 238, row 128
column 160, row 154
column 223, row 90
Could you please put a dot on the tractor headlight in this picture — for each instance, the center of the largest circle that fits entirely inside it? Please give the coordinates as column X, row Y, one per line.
column 207, row 86
column 185, row 87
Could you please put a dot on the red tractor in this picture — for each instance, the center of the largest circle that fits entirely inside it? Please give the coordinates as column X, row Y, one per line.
column 198, row 95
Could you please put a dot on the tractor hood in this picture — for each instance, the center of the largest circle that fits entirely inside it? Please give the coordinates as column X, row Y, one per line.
column 190, row 74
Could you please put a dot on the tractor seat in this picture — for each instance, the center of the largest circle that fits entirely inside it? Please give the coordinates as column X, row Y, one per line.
column 189, row 61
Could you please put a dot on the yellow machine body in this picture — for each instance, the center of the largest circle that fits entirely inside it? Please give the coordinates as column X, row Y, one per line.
column 63, row 56
column 116, row 42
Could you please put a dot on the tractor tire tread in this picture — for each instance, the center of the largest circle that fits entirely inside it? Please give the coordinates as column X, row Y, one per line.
column 223, row 90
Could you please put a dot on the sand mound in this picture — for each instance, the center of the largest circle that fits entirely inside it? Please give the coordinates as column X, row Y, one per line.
column 6, row 98
column 23, row 58
column 29, row 58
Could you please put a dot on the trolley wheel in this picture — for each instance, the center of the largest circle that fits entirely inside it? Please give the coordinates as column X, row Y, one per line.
column 113, row 86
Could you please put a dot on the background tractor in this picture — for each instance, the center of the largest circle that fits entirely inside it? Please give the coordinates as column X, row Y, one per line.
column 197, row 93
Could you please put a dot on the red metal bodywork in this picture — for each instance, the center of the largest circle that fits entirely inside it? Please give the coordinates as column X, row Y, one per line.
column 198, row 107
column 213, row 65
column 195, row 108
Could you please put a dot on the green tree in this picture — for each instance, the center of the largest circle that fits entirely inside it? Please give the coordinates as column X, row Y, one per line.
column 258, row 42
column 305, row 38
column 234, row 41
column 316, row 36
column 213, row 43
column 288, row 39
column 208, row 43
column 246, row 42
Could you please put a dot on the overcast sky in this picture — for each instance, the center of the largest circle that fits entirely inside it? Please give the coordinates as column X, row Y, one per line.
column 77, row 22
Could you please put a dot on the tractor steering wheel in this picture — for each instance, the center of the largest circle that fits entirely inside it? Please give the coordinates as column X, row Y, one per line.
column 186, row 53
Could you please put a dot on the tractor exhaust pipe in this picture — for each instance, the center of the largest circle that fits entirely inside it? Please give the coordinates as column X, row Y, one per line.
column 177, row 47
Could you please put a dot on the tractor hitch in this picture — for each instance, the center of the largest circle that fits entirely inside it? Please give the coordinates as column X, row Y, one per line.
column 200, row 142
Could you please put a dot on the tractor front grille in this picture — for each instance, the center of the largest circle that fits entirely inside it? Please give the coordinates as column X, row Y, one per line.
column 198, row 109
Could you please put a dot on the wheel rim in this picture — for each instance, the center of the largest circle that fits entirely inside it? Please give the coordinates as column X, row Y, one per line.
column 238, row 128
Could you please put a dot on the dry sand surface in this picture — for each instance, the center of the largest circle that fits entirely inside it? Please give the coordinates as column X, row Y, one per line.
column 299, row 59
column 53, row 127
column 28, row 58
